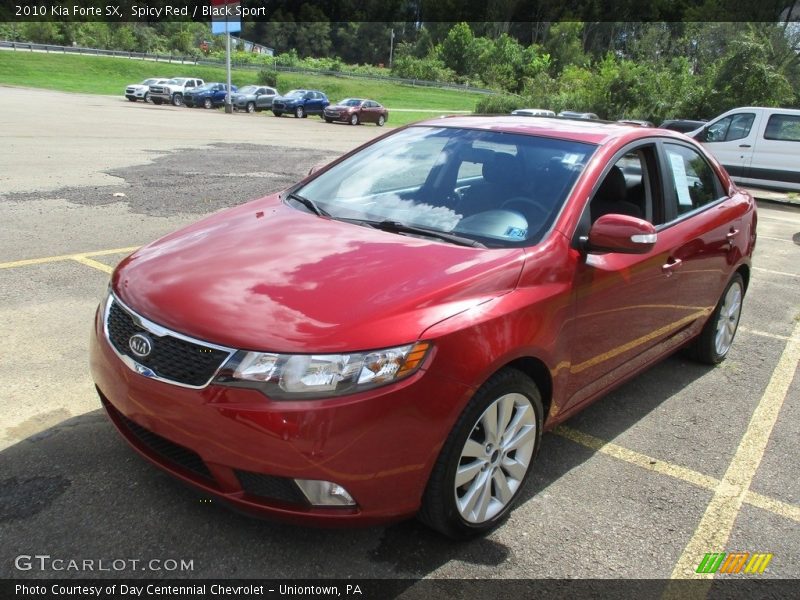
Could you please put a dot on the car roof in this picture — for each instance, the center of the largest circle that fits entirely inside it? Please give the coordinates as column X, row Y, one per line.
column 591, row 131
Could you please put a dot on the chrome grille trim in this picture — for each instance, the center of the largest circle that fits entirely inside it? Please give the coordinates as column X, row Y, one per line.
column 158, row 331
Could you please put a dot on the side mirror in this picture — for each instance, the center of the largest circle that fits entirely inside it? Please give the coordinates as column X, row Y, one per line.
column 621, row 233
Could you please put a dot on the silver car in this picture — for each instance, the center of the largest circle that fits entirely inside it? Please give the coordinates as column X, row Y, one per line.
column 254, row 97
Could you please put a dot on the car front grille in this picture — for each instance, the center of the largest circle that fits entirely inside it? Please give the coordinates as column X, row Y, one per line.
column 171, row 358
column 280, row 105
column 129, row 90
column 156, row 89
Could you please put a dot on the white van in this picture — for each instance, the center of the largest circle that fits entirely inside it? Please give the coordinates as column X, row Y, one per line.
column 758, row 146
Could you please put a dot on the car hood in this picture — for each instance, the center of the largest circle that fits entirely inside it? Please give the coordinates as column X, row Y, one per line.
column 267, row 276
column 288, row 99
column 341, row 107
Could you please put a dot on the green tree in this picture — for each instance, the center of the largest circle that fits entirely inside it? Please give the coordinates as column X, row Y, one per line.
column 458, row 50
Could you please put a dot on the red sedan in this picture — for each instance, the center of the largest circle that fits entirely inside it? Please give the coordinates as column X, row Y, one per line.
column 356, row 111
column 391, row 336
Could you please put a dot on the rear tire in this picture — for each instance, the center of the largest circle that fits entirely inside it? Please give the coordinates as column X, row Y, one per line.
column 715, row 340
column 381, row 121
column 486, row 459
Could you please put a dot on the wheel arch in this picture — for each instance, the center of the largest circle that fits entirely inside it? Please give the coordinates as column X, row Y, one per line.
column 538, row 371
column 744, row 271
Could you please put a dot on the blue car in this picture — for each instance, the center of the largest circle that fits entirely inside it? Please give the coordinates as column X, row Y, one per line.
column 207, row 96
column 300, row 103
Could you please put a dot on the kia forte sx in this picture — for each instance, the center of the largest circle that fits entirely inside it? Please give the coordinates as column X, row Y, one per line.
column 391, row 336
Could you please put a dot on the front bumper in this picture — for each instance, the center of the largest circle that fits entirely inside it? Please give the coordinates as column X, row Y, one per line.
column 341, row 116
column 137, row 94
column 246, row 450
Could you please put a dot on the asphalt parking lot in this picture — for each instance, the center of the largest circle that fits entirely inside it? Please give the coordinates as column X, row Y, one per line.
column 681, row 461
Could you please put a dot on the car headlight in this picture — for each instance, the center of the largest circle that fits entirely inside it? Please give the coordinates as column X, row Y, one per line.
column 314, row 376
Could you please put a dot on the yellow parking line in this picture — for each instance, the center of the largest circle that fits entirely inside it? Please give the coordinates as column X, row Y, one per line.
column 650, row 463
column 93, row 263
column 637, row 458
column 784, row 509
column 715, row 527
column 758, row 332
column 50, row 259
column 776, row 272
column 777, row 239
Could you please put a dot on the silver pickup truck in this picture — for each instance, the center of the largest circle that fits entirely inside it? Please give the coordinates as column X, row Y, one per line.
column 172, row 90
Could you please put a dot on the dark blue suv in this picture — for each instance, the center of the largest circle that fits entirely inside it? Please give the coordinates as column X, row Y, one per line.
column 207, row 96
column 300, row 103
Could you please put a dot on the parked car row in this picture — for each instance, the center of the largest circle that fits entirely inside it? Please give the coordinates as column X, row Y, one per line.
column 191, row 92
column 757, row 145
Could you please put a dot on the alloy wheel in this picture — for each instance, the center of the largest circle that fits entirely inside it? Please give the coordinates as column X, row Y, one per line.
column 495, row 458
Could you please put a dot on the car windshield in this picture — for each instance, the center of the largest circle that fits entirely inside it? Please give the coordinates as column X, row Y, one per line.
column 296, row 93
column 249, row 89
column 149, row 81
column 351, row 102
column 176, row 81
column 499, row 189
column 205, row 87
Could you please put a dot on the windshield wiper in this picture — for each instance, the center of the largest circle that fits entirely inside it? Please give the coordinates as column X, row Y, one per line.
column 397, row 227
column 309, row 204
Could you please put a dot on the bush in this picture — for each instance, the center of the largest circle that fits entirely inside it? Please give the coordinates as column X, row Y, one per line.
column 268, row 77
column 497, row 104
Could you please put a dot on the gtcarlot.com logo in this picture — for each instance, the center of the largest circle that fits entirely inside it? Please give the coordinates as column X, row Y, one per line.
column 45, row 562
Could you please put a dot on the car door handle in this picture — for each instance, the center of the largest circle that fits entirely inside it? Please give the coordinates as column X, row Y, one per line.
column 669, row 268
column 744, row 145
column 732, row 234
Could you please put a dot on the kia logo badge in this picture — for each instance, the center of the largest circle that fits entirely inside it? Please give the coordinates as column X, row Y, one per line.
column 140, row 345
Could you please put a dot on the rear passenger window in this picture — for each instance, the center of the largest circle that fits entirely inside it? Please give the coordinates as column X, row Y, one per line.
column 783, row 127
column 694, row 182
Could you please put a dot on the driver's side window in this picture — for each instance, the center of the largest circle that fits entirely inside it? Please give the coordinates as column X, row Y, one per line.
column 627, row 188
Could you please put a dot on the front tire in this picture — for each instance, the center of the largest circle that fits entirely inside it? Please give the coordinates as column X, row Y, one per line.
column 131, row 99
column 486, row 459
column 157, row 101
column 177, row 100
column 207, row 103
column 251, row 107
column 300, row 112
column 354, row 119
column 277, row 113
column 715, row 340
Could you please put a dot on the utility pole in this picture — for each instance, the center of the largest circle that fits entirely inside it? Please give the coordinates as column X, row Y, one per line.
column 391, row 47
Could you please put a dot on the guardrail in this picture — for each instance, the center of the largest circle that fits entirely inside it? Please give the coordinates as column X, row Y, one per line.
column 188, row 60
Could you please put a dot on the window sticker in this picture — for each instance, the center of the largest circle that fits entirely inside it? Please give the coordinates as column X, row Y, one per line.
column 681, row 182
column 516, row 233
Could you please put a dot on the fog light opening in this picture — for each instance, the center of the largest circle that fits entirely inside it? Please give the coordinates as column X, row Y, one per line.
column 325, row 493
